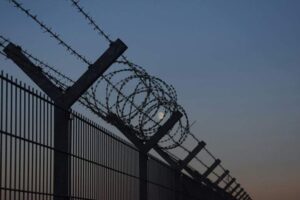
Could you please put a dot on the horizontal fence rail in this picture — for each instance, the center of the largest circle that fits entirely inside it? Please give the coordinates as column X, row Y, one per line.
column 101, row 165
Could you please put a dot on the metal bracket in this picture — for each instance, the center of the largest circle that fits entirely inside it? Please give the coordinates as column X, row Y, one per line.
column 222, row 177
column 246, row 197
column 144, row 147
column 238, row 193
column 131, row 134
column 191, row 155
column 211, row 168
column 242, row 195
column 229, row 184
column 234, row 189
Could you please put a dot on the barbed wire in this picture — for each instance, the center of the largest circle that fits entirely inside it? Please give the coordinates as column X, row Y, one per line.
column 48, row 30
column 95, row 108
column 142, row 110
column 136, row 68
column 91, row 21
column 102, row 33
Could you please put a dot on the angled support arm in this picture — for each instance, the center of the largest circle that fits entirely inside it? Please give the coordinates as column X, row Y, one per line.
column 193, row 173
column 211, row 168
column 246, row 197
column 94, row 72
column 162, row 131
column 234, row 189
column 172, row 162
column 222, row 177
column 66, row 98
column 191, row 155
column 175, row 164
column 127, row 131
column 238, row 193
column 35, row 73
column 131, row 134
column 242, row 195
column 229, row 184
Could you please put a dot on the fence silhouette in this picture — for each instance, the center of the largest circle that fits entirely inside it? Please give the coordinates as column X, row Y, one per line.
column 102, row 166
column 49, row 151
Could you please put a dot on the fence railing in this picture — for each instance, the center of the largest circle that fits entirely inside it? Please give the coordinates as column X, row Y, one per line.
column 101, row 166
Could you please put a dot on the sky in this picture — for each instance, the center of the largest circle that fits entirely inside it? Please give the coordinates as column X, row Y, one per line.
column 234, row 64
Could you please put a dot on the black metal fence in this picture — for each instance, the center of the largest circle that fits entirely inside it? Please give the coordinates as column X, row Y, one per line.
column 101, row 165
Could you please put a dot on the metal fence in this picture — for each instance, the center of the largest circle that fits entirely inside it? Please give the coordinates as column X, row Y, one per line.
column 101, row 165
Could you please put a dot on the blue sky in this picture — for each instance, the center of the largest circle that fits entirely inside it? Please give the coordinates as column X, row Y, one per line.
column 235, row 65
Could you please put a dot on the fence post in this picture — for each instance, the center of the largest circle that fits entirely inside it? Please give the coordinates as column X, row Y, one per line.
column 63, row 101
column 61, row 158
column 144, row 147
column 143, row 172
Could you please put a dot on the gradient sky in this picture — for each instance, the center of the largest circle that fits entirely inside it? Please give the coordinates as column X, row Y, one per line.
column 235, row 65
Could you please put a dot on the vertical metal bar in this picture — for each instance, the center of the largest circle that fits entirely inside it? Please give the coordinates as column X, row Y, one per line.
column 28, row 144
column 36, row 146
column 21, row 159
column 40, row 150
column 229, row 184
column 61, row 144
column 88, row 143
column 1, row 128
column 6, row 137
column 143, row 170
column 69, row 123
column 76, row 150
column 11, row 139
column 81, row 154
column 44, row 142
column 24, row 136
column 51, row 152
column 16, row 144
column 72, row 160
column 32, row 145
column 46, row 138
